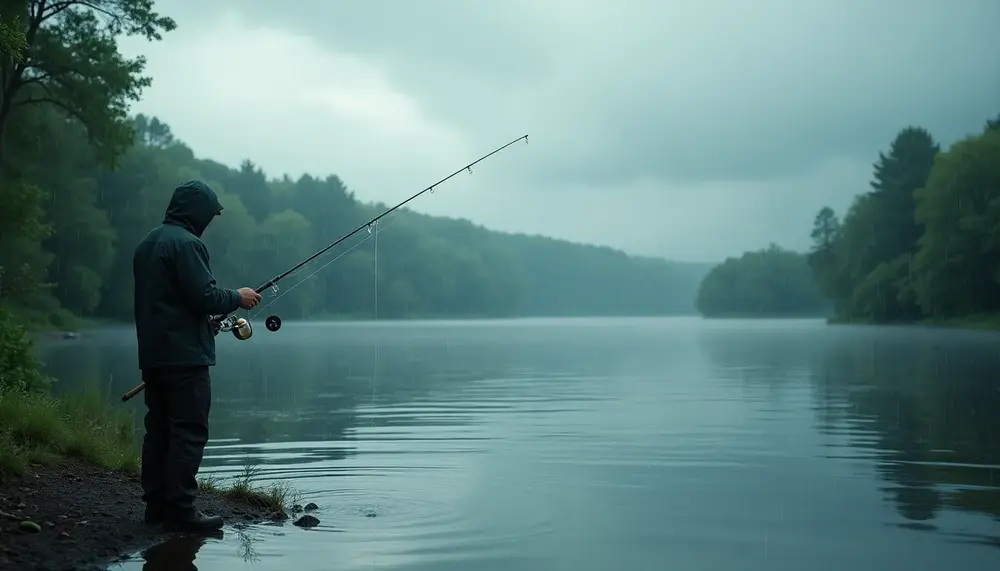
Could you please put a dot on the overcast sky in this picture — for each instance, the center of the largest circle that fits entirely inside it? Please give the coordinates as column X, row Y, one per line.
column 688, row 129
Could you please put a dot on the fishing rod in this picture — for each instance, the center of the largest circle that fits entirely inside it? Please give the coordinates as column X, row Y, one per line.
column 241, row 327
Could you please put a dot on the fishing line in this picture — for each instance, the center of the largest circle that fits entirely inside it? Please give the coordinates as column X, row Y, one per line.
column 373, row 379
column 337, row 257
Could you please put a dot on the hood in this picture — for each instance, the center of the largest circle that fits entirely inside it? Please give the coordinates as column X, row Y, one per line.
column 193, row 205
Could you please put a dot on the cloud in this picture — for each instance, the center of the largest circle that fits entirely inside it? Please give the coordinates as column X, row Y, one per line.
column 236, row 90
column 688, row 129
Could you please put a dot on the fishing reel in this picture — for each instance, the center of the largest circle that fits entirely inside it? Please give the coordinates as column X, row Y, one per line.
column 241, row 327
column 238, row 326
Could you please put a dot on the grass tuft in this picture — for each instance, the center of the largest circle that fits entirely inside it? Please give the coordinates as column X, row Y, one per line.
column 39, row 428
column 275, row 496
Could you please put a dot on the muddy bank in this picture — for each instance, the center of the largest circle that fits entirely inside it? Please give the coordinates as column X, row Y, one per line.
column 77, row 516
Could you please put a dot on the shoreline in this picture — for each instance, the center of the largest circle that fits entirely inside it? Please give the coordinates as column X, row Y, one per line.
column 75, row 515
column 750, row 317
column 967, row 323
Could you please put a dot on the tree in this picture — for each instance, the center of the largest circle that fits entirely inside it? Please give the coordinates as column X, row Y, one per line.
column 823, row 257
column 22, row 230
column 957, row 268
column 826, row 230
column 863, row 265
column 150, row 132
column 71, row 61
column 993, row 123
column 896, row 177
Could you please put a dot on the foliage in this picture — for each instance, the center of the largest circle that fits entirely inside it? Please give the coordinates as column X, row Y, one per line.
column 427, row 266
column 763, row 283
column 12, row 42
column 40, row 428
column 71, row 61
column 19, row 368
column 922, row 245
column 958, row 263
column 22, row 231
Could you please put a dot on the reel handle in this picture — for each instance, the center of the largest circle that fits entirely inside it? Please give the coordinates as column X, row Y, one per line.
column 134, row 391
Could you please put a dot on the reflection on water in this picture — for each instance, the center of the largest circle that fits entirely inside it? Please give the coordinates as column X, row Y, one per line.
column 178, row 552
column 174, row 554
column 597, row 444
column 919, row 406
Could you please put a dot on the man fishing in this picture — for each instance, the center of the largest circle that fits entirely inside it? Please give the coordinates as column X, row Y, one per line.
column 175, row 293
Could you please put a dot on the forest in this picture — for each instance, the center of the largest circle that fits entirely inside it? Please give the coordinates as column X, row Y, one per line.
column 83, row 180
column 772, row 282
column 922, row 246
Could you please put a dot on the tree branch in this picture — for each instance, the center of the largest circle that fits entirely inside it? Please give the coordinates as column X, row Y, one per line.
column 34, row 22
column 40, row 82
column 59, row 7
column 53, row 101
column 56, row 9
column 36, row 79
column 93, row 6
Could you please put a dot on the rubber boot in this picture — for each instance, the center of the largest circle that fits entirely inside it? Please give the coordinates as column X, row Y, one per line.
column 193, row 521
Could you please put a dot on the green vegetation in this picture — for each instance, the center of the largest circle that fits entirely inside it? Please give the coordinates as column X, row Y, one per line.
column 275, row 497
column 772, row 282
column 922, row 246
column 12, row 41
column 68, row 80
column 80, row 246
column 38, row 428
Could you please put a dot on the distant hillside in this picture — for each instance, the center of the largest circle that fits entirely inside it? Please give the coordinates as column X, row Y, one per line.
column 427, row 266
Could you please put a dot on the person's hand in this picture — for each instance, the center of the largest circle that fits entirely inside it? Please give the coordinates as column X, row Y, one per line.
column 248, row 297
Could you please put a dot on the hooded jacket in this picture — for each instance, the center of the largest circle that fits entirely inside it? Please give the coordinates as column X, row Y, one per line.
column 175, row 291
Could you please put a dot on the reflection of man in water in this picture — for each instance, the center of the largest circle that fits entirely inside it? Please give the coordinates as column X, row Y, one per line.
column 175, row 554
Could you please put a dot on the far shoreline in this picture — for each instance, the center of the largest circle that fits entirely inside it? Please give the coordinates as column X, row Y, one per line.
column 976, row 322
column 750, row 317
column 967, row 323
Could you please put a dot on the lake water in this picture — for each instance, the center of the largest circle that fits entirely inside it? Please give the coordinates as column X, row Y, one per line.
column 581, row 445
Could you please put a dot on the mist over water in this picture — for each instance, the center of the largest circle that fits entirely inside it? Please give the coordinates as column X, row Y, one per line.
column 599, row 444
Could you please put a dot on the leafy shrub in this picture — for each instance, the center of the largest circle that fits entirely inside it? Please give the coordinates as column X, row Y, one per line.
column 20, row 370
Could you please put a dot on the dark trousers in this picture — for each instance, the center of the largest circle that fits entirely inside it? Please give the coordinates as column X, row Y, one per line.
column 177, row 407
